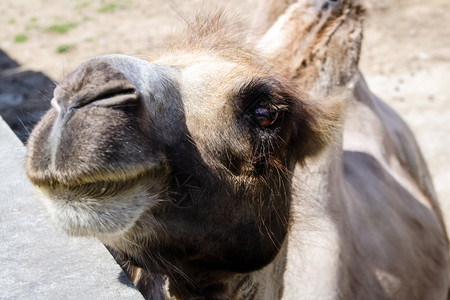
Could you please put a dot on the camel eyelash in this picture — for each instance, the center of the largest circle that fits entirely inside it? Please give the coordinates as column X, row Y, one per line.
column 260, row 102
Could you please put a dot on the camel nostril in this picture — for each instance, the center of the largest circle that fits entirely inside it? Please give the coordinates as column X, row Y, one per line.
column 108, row 98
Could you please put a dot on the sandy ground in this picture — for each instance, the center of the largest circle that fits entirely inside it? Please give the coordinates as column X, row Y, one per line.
column 405, row 57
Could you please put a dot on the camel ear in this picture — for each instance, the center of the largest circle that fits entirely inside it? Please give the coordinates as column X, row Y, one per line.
column 316, row 43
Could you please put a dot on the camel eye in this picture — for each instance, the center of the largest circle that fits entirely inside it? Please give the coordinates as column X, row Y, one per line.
column 265, row 116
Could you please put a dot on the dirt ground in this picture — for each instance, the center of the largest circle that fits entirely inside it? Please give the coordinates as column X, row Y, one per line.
column 405, row 57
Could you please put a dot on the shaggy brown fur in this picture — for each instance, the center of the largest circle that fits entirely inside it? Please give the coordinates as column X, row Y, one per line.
column 209, row 172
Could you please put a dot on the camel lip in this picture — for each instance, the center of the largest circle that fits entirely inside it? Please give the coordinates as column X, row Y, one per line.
column 50, row 176
column 100, row 185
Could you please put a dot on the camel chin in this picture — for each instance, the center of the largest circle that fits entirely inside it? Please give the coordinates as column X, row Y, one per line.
column 101, row 217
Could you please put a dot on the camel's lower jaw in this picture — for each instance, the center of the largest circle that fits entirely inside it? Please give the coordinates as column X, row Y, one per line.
column 85, row 216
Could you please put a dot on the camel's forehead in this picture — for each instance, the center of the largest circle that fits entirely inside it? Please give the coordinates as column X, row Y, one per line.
column 210, row 67
column 211, row 72
column 212, row 78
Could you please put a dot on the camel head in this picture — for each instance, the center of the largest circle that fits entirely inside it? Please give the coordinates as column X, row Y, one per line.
column 183, row 164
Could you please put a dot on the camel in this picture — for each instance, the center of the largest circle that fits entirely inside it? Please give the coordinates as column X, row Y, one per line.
column 245, row 167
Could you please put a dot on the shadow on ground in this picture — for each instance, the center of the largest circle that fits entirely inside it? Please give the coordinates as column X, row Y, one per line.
column 24, row 96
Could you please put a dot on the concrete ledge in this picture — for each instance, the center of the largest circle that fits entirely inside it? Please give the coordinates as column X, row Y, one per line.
column 37, row 261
